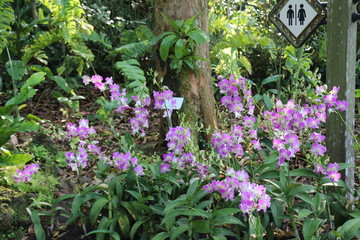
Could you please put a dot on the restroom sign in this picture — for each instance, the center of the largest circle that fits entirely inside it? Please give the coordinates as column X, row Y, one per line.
column 297, row 19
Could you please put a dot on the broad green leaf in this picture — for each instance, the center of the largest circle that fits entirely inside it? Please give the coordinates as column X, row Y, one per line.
column 222, row 220
column 16, row 69
column 301, row 188
column 34, row 80
column 306, row 198
column 303, row 213
column 197, row 212
column 199, row 36
column 61, row 82
column 179, row 48
column 267, row 102
column 224, row 232
column 170, row 217
column 201, row 226
column 179, row 230
column 15, row 159
column 350, row 228
column 113, row 234
column 302, row 172
column 225, row 212
column 124, row 224
column 270, row 79
column 174, row 24
column 190, row 23
column 191, row 191
column 165, row 46
column 135, row 227
column 198, row 196
column 277, row 210
column 96, row 209
column 161, row 236
column 103, row 225
column 310, row 226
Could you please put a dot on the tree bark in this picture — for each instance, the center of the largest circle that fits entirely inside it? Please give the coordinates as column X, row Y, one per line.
column 195, row 86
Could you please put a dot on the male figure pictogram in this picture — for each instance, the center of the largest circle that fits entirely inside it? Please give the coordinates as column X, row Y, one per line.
column 290, row 15
column 302, row 14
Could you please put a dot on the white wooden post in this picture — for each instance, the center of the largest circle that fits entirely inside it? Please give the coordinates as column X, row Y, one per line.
column 340, row 71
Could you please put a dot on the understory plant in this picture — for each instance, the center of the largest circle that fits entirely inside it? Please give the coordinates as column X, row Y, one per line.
column 266, row 174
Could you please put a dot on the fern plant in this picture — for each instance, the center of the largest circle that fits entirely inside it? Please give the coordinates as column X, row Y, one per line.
column 134, row 75
column 7, row 18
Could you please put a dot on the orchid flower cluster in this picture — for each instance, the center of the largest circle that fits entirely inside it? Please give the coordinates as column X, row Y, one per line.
column 26, row 174
column 82, row 133
column 85, row 147
column 253, row 196
column 125, row 161
column 164, row 100
column 243, row 109
column 140, row 121
column 292, row 127
column 330, row 172
column 177, row 157
column 295, row 127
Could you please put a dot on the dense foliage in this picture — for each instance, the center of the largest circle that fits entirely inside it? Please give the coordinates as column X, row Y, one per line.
column 264, row 175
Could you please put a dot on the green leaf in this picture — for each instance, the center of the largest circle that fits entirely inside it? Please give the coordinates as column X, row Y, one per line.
column 165, row 46
column 96, row 209
column 224, row 232
column 34, row 80
column 170, row 217
column 15, row 159
column 270, row 79
column 245, row 62
column 135, row 227
column 161, row 236
column 174, row 24
column 277, row 210
column 61, row 82
column 16, row 69
column 179, row 230
column 124, row 224
column 225, row 212
column 302, row 172
column 197, row 212
column 179, row 48
column 222, row 220
column 267, row 102
column 350, row 228
column 301, row 188
column 310, row 226
column 201, row 226
column 191, row 191
column 306, row 198
column 199, row 36
column 303, row 213
column 113, row 234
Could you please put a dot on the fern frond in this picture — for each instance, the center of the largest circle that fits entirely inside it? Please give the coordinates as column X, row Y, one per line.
column 6, row 19
column 44, row 40
column 69, row 16
column 134, row 50
column 134, row 75
column 81, row 50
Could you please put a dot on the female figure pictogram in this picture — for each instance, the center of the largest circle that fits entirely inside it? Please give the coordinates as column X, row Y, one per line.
column 301, row 14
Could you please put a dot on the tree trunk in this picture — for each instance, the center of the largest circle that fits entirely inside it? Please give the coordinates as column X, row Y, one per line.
column 195, row 86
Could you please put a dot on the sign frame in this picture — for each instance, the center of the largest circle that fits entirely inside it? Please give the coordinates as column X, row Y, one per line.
column 309, row 29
